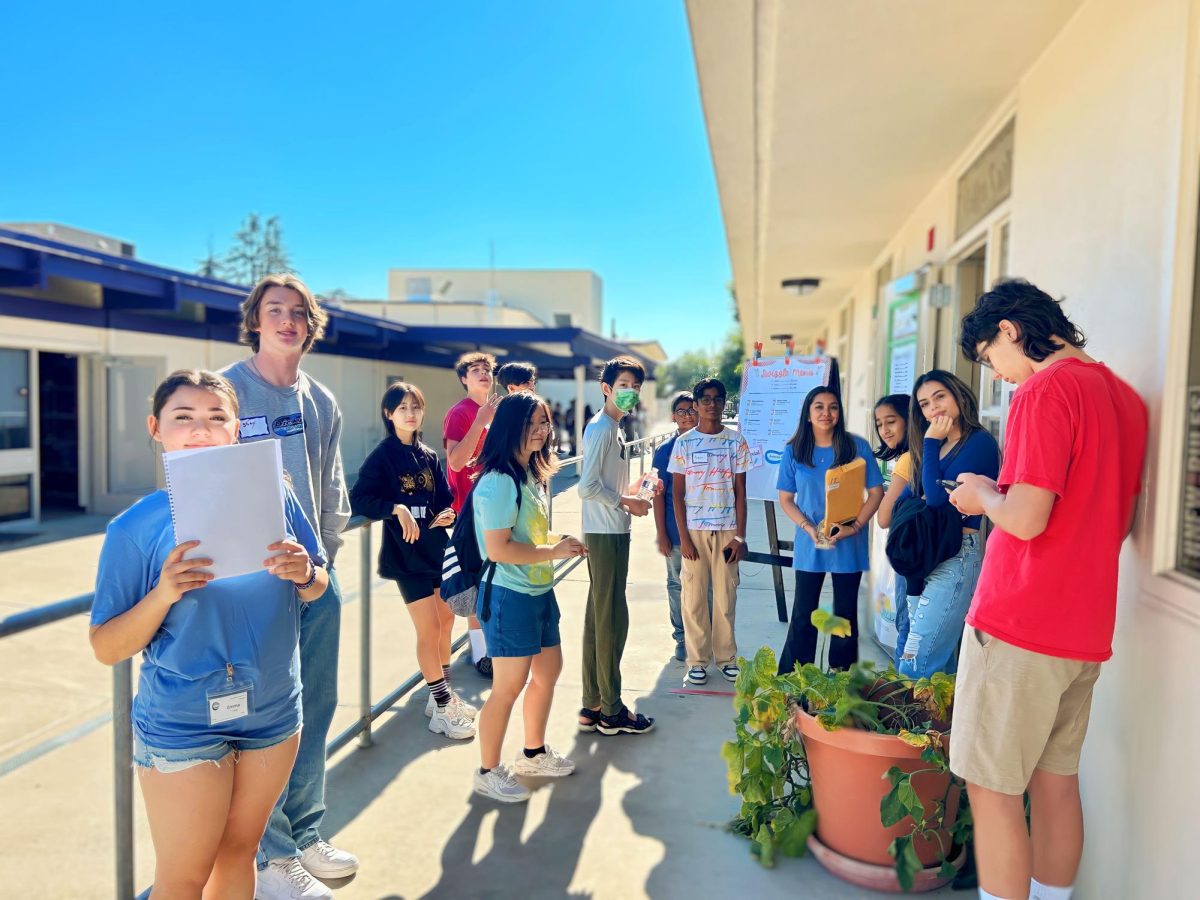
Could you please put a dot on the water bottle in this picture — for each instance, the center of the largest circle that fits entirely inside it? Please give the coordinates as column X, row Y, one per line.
column 649, row 485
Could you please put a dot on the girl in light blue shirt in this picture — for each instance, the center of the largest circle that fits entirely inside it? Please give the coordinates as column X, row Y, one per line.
column 216, row 718
column 821, row 442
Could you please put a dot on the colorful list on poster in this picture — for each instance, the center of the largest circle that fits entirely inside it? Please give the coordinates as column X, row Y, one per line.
column 773, row 392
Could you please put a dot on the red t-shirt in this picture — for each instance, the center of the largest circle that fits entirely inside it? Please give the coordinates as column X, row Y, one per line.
column 1077, row 430
column 455, row 426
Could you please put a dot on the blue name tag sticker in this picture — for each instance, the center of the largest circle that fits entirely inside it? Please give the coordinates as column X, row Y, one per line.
column 774, row 456
column 254, row 426
column 286, row 426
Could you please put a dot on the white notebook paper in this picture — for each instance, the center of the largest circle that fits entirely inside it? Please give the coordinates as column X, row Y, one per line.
column 231, row 500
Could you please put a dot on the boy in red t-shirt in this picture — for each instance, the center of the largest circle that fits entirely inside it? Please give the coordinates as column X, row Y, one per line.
column 463, row 432
column 1042, row 618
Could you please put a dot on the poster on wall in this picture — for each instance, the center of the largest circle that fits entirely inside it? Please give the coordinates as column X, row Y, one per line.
column 903, row 325
column 773, row 391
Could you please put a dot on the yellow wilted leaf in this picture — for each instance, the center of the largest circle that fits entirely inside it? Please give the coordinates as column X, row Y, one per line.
column 827, row 623
column 920, row 741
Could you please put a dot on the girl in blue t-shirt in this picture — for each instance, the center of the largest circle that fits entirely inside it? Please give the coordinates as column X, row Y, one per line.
column 946, row 439
column 520, row 617
column 821, row 442
column 216, row 718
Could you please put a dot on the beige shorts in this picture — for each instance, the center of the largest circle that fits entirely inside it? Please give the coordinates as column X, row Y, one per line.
column 1016, row 711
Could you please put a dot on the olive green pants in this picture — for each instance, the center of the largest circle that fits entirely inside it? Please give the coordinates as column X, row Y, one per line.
column 606, row 623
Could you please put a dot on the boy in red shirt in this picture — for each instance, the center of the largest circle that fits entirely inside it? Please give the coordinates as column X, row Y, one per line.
column 1042, row 618
column 463, row 432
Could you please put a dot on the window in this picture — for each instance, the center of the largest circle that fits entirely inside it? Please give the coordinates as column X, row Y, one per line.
column 14, row 400
column 418, row 290
column 16, row 497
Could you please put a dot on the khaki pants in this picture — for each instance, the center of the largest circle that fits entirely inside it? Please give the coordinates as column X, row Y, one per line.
column 709, row 637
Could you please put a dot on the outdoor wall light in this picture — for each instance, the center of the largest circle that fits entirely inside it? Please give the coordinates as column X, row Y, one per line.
column 801, row 287
column 781, row 338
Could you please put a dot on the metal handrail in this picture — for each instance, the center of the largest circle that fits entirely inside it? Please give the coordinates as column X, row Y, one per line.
column 27, row 620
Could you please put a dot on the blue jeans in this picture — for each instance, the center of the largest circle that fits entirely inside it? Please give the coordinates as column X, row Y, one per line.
column 295, row 822
column 901, row 604
column 675, row 600
column 935, row 619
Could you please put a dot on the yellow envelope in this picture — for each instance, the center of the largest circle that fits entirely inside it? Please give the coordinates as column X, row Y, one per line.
column 845, row 490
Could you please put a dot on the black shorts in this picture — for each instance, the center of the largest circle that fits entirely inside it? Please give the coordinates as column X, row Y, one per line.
column 418, row 587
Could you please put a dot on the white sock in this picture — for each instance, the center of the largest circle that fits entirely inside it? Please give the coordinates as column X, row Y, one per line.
column 478, row 644
column 984, row 895
column 1039, row 891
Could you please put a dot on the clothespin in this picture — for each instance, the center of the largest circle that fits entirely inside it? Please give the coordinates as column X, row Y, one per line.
column 791, row 348
column 757, row 353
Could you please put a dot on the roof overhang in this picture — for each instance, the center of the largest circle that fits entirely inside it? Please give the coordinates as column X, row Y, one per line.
column 830, row 122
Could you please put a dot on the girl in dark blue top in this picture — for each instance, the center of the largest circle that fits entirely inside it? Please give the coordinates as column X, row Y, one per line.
column 216, row 719
column 946, row 439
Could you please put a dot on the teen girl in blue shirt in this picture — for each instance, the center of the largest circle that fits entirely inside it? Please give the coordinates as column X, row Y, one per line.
column 216, row 719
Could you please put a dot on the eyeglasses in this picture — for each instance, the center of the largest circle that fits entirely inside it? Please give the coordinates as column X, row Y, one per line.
column 710, row 401
column 544, row 426
column 690, row 411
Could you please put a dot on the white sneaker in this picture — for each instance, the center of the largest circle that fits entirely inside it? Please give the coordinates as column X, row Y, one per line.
column 447, row 722
column 464, row 709
column 326, row 861
column 550, row 764
column 499, row 784
column 696, row 675
column 287, row 879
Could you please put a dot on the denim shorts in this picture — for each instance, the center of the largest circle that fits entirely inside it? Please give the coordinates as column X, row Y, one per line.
column 170, row 761
column 520, row 624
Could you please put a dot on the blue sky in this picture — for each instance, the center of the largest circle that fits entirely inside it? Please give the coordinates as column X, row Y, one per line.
column 383, row 134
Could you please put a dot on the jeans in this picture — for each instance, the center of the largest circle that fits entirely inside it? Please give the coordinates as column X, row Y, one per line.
column 295, row 822
column 901, row 605
column 935, row 619
column 801, row 644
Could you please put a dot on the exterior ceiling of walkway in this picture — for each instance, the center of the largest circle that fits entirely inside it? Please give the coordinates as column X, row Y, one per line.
column 829, row 122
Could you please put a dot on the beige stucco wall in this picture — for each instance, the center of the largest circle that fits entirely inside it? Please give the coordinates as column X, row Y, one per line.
column 1094, row 212
column 542, row 292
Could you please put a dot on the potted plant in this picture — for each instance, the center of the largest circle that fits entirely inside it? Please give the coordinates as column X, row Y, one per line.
column 851, row 765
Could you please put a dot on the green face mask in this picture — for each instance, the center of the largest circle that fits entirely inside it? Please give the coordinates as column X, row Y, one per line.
column 625, row 399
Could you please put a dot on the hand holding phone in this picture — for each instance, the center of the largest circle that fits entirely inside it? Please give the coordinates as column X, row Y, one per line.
column 950, row 486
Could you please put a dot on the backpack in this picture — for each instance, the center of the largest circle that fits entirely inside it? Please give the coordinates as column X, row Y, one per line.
column 463, row 566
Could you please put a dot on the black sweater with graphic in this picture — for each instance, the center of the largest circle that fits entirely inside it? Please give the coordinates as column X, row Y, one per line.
column 412, row 476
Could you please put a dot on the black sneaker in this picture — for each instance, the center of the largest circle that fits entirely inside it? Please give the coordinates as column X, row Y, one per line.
column 484, row 667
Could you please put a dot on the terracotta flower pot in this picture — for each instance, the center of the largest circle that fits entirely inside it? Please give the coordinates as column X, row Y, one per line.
column 847, row 767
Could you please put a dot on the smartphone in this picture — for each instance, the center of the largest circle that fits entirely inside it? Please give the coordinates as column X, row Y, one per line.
column 950, row 486
column 727, row 553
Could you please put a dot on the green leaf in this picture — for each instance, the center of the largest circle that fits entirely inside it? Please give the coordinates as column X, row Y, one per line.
column 774, row 756
column 907, row 864
column 793, row 838
column 947, row 870
column 827, row 623
column 908, row 797
column 891, row 810
column 766, row 842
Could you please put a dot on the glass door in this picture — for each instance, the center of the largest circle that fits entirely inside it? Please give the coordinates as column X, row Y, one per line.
column 127, row 466
column 18, row 459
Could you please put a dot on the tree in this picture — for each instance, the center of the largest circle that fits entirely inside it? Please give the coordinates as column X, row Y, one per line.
column 257, row 250
column 210, row 266
column 724, row 363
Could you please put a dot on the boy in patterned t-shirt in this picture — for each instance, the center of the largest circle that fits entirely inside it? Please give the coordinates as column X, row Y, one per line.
column 708, row 471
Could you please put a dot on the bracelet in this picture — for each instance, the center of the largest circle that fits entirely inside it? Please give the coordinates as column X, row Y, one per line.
column 312, row 577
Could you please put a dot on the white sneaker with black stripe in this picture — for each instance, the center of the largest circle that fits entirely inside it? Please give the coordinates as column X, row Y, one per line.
column 697, row 675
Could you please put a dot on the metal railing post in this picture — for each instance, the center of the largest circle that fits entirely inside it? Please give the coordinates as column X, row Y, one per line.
column 123, row 777
column 364, row 590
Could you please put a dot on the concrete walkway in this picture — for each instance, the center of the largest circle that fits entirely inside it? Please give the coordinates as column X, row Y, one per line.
column 641, row 817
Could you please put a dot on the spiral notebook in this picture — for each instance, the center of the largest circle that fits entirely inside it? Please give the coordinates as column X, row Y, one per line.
column 231, row 500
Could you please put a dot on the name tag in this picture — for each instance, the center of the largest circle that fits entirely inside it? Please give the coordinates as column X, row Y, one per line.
column 253, row 426
column 228, row 707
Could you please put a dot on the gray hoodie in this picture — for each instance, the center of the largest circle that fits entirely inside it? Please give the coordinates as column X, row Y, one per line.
column 305, row 419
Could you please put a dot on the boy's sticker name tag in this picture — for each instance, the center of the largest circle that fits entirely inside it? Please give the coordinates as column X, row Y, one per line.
column 253, row 426
column 227, row 707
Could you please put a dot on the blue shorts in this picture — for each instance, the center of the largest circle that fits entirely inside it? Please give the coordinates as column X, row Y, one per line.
column 171, row 761
column 520, row 624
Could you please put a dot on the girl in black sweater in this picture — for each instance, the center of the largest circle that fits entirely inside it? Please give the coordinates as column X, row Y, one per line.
column 403, row 483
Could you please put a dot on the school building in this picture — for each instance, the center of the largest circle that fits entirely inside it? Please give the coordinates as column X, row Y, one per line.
column 880, row 164
column 87, row 331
